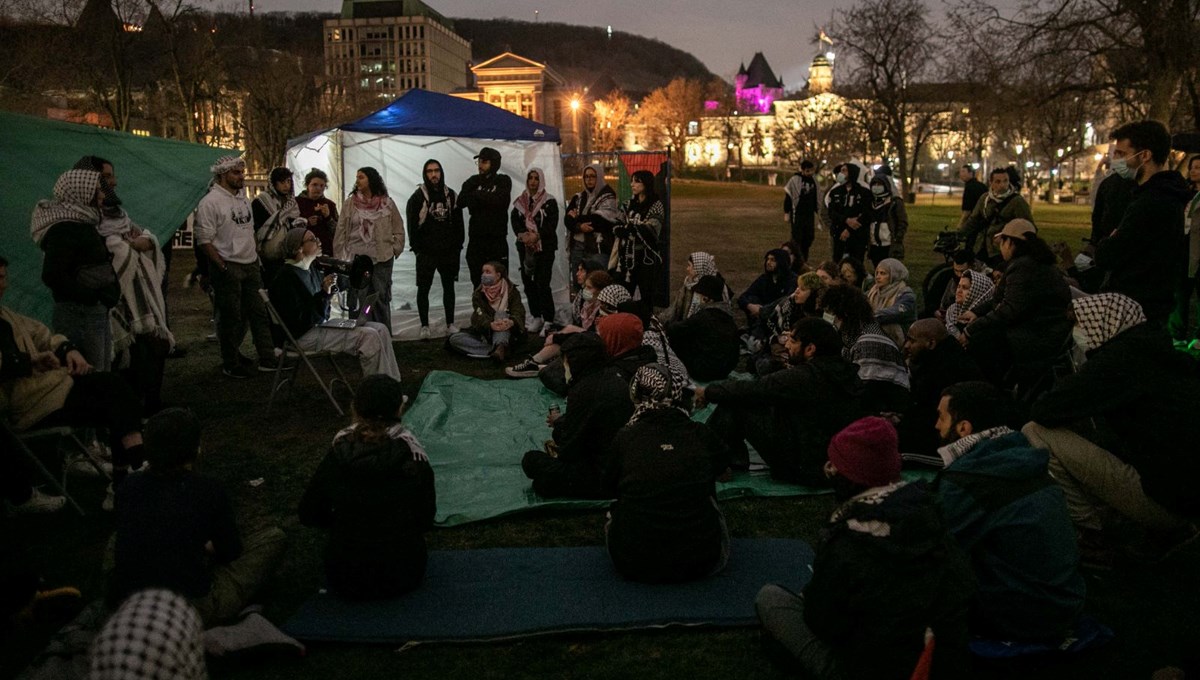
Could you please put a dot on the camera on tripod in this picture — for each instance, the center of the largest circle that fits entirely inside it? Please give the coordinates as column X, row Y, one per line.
column 358, row 271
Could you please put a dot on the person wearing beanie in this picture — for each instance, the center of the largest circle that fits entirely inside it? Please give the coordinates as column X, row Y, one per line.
column 487, row 195
column 374, row 493
column 315, row 207
column 300, row 294
column 175, row 528
column 435, row 234
column 707, row 342
column 598, row 405
column 1010, row 516
column 789, row 415
column 887, row 578
column 665, row 525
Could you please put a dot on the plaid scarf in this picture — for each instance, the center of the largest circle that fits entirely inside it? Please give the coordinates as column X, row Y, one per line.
column 1102, row 317
column 653, row 389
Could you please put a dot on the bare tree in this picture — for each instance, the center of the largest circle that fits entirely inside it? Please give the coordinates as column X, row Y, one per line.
column 178, row 42
column 281, row 96
column 818, row 130
column 889, row 47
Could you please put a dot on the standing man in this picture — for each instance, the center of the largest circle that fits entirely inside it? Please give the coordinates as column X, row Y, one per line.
column 1141, row 257
column 487, row 195
column 847, row 201
column 973, row 190
column 225, row 231
column 800, row 206
column 435, row 234
column 1110, row 198
column 1001, row 204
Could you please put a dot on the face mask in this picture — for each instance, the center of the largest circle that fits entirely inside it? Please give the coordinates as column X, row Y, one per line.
column 587, row 295
column 878, row 190
column 840, row 178
column 1082, row 341
column 1120, row 166
column 829, row 318
column 1083, row 262
column 488, row 279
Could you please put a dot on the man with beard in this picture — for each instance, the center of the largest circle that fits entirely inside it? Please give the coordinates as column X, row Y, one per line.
column 889, row 588
column 999, row 206
column 800, row 207
column 435, row 234
column 933, row 365
column 300, row 296
column 789, row 415
column 488, row 196
column 1007, row 513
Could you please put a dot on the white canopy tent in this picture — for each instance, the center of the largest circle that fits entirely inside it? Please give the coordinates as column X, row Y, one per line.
column 397, row 140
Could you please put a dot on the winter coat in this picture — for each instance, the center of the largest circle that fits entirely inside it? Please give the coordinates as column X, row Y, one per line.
column 973, row 190
column 488, row 198
column 77, row 266
column 884, row 571
column 434, row 227
column 846, row 200
column 989, row 217
column 388, row 233
column 547, row 225
column 377, row 499
column 26, row 400
column 931, row 372
column 1112, row 198
column 1011, row 519
column 770, row 286
column 895, row 216
column 599, row 240
column 484, row 314
column 1028, row 309
column 809, row 403
column 1141, row 397
column 1141, row 257
column 298, row 298
column 707, row 342
column 800, row 197
column 665, row 524
column 598, row 405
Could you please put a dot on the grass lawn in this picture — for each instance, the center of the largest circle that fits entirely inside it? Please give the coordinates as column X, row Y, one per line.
column 1153, row 609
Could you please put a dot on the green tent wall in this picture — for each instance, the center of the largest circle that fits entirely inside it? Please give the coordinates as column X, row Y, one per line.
column 159, row 180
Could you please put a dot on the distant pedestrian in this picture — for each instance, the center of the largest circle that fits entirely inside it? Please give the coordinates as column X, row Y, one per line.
column 800, row 207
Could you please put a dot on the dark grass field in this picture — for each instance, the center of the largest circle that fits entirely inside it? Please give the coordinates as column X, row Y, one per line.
column 1153, row 609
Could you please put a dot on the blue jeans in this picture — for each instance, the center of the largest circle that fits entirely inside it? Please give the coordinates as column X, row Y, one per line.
column 89, row 329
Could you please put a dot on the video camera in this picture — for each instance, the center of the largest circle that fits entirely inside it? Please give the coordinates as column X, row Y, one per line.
column 948, row 242
column 358, row 271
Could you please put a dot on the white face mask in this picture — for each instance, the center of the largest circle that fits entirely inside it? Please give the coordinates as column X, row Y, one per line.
column 1082, row 341
column 840, row 178
column 878, row 189
column 587, row 295
column 488, row 279
column 697, row 299
column 829, row 319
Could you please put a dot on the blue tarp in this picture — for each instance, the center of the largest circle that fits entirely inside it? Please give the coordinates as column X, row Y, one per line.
column 420, row 112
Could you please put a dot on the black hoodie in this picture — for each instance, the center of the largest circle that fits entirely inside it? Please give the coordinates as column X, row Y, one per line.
column 1139, row 258
column 435, row 224
column 847, row 200
column 488, row 197
column 598, row 403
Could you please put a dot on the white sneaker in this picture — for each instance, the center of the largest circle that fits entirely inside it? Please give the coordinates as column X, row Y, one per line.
column 424, row 332
column 82, row 466
column 451, row 329
column 536, row 325
column 39, row 503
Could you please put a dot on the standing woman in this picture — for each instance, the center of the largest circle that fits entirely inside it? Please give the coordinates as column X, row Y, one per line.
column 371, row 225
column 321, row 213
column 590, row 217
column 275, row 212
column 535, row 222
column 635, row 260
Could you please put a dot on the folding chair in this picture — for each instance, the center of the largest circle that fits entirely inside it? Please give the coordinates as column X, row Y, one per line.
column 59, row 435
column 290, row 345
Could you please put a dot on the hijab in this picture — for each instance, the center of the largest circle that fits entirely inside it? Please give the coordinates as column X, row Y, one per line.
column 981, row 291
column 528, row 206
column 621, row 333
column 882, row 296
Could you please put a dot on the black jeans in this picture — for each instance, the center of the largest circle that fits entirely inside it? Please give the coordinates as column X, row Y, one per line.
column 804, row 230
column 446, row 266
column 479, row 254
column 553, row 478
column 537, row 285
column 235, row 294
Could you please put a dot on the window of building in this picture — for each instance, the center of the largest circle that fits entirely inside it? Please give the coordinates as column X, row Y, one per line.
column 693, row 127
column 335, row 35
column 141, row 133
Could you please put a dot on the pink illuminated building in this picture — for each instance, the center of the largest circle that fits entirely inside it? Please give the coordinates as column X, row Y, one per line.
column 757, row 87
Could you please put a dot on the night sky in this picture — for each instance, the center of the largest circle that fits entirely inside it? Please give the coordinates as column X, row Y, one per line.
column 720, row 33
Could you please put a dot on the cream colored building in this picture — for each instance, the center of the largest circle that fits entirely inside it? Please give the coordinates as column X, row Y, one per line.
column 387, row 47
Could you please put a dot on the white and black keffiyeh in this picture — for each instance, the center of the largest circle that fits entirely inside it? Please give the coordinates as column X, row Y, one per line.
column 74, row 201
column 154, row 635
column 653, row 389
column 226, row 163
column 981, row 291
column 1102, row 317
column 613, row 295
column 655, row 337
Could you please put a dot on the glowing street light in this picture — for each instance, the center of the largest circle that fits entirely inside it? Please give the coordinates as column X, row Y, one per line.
column 1019, row 148
column 575, row 104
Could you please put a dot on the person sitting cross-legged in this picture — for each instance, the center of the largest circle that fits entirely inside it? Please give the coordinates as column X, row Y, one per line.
column 598, row 405
column 885, row 576
column 1010, row 517
column 1118, row 431
column 498, row 319
column 789, row 415
column 707, row 341
column 175, row 528
column 374, row 493
column 662, row 468
column 301, row 297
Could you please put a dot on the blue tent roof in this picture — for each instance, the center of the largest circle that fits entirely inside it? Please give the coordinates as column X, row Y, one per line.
column 420, row 112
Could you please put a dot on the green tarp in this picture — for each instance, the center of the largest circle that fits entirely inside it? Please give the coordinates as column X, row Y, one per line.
column 476, row 432
column 159, row 180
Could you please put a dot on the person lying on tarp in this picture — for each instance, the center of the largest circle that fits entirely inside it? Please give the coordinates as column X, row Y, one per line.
column 598, row 405
column 374, row 493
column 665, row 525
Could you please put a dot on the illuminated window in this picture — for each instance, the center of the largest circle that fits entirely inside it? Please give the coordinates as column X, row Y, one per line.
column 141, row 133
